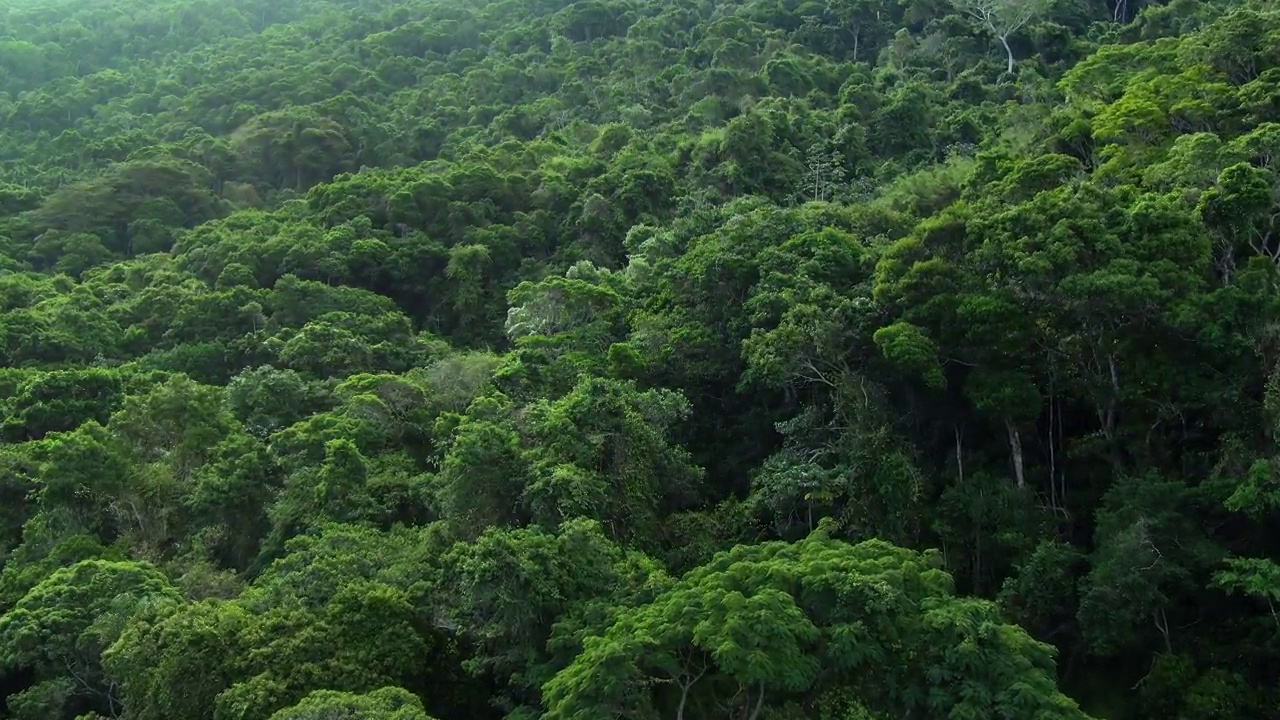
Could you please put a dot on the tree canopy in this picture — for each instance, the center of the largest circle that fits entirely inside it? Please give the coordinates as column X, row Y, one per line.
column 580, row 359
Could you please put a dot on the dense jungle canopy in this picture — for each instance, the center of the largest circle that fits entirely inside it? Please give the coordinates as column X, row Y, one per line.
column 639, row 359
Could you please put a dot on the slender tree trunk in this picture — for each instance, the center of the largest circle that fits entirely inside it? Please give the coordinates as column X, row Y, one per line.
column 1015, row 450
column 684, row 693
column 1004, row 40
column 1053, row 464
column 755, row 712
column 1162, row 624
column 1062, row 473
column 1115, row 396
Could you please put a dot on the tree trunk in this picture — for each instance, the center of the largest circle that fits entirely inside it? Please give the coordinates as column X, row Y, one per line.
column 1015, row 450
column 755, row 712
column 684, row 693
column 1162, row 624
column 1053, row 464
column 1004, row 40
column 1110, row 425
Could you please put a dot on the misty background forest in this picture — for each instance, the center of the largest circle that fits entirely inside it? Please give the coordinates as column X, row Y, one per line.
column 639, row 360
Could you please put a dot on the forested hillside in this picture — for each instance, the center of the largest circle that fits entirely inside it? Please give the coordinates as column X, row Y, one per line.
column 551, row 360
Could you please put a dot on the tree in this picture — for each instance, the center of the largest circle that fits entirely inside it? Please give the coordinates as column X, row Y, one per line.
column 824, row 172
column 388, row 703
column 295, row 147
column 268, row 399
column 604, row 451
column 367, row 637
column 169, row 193
column 174, row 659
column 1146, row 556
column 502, row 591
column 1003, row 18
column 60, row 401
column 483, row 471
column 765, row 625
column 60, row 628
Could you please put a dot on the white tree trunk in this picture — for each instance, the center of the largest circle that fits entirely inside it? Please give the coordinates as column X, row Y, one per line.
column 1004, row 40
column 1015, row 450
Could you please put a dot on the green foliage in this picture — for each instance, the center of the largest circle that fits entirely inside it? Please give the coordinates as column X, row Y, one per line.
column 60, row 627
column 426, row 358
column 762, row 624
column 506, row 587
column 176, row 659
column 389, row 703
